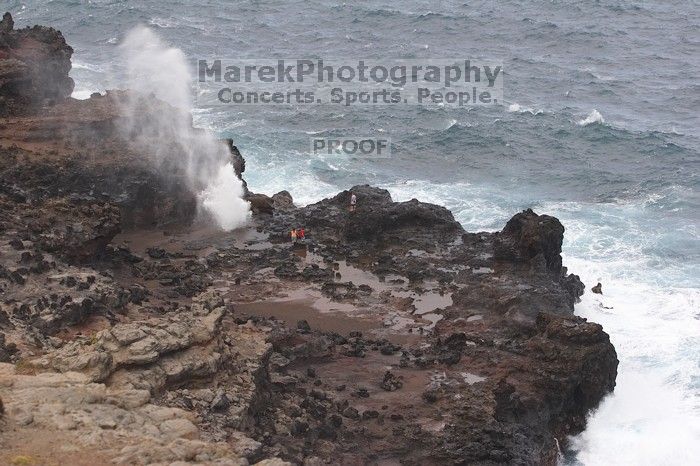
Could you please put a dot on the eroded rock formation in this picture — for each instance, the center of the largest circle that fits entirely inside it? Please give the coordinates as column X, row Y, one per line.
column 34, row 66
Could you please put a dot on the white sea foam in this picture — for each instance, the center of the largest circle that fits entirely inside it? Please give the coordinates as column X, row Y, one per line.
column 653, row 416
column 517, row 108
column 475, row 207
column 79, row 65
column 163, row 22
column 593, row 117
column 81, row 94
column 85, row 75
column 650, row 309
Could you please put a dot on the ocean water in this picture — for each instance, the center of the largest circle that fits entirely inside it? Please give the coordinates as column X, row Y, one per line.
column 600, row 129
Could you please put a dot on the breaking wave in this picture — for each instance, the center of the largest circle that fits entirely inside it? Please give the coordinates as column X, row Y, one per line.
column 593, row 118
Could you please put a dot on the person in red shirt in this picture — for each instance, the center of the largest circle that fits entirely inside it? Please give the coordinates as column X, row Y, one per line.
column 302, row 233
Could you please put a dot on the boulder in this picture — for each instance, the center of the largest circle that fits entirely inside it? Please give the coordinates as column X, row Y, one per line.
column 283, row 201
column 260, row 203
column 527, row 237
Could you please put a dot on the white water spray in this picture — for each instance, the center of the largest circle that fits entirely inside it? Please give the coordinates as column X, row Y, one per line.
column 592, row 118
column 166, row 133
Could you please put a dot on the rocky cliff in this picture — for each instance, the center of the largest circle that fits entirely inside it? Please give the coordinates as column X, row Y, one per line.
column 132, row 332
column 34, row 66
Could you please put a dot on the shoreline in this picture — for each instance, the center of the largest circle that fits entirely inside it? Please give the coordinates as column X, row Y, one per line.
column 129, row 325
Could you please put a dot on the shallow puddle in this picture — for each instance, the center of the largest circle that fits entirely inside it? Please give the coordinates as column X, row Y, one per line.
column 471, row 379
column 325, row 314
column 294, row 310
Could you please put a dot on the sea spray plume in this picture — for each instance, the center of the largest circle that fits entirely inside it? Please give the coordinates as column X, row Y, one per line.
column 166, row 133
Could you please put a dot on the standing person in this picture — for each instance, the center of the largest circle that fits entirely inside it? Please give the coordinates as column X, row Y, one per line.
column 353, row 202
column 302, row 233
column 293, row 234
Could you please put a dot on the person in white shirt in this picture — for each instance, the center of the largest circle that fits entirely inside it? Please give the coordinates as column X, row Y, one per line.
column 353, row 202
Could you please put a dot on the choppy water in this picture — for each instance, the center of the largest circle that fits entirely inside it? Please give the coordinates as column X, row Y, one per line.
column 600, row 129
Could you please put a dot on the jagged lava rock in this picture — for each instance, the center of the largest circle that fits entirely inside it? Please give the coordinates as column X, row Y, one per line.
column 530, row 237
column 377, row 218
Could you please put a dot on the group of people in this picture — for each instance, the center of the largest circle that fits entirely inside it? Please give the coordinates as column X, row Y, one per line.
column 296, row 234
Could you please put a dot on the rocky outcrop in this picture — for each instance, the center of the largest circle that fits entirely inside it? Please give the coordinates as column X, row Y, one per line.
column 534, row 241
column 34, row 67
column 527, row 388
column 377, row 219
column 120, row 423
column 264, row 204
column 389, row 334
column 259, row 203
column 150, row 342
column 499, row 370
column 283, row 201
column 531, row 238
column 238, row 162
column 93, row 163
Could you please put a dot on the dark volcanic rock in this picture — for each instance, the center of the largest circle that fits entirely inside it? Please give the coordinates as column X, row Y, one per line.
column 391, row 382
column 34, row 67
column 260, row 203
column 238, row 163
column 264, row 204
column 6, row 350
column 303, row 326
column 283, row 201
column 84, row 232
column 528, row 237
column 7, row 23
column 377, row 218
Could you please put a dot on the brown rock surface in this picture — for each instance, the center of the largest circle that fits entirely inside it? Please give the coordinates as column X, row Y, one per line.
column 34, row 67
